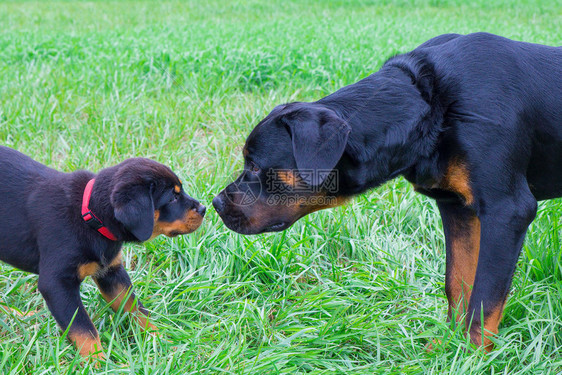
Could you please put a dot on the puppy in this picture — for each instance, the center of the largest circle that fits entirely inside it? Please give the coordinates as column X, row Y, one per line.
column 473, row 121
column 67, row 226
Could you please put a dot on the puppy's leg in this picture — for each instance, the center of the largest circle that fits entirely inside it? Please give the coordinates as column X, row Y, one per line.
column 504, row 223
column 62, row 294
column 116, row 288
column 462, row 237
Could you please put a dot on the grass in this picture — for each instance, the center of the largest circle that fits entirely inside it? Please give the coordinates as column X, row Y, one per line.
column 358, row 289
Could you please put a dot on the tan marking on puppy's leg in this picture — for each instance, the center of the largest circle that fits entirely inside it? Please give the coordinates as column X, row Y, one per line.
column 88, row 269
column 144, row 322
column 87, row 343
column 116, row 297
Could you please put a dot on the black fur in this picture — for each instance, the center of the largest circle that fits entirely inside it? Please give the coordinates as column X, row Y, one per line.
column 487, row 103
column 319, row 139
column 42, row 231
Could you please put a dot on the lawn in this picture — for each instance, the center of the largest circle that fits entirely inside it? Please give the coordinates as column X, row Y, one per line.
column 358, row 289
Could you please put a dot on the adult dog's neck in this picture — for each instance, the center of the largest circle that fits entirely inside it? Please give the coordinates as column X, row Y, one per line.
column 396, row 124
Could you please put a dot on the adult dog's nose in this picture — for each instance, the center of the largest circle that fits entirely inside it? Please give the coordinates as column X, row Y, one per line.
column 218, row 203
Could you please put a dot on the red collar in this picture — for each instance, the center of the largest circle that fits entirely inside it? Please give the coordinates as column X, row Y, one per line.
column 89, row 216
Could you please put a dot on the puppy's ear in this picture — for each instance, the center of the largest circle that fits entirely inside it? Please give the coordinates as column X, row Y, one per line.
column 319, row 140
column 134, row 208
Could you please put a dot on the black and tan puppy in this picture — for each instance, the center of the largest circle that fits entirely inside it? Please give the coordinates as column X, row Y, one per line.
column 67, row 226
column 473, row 121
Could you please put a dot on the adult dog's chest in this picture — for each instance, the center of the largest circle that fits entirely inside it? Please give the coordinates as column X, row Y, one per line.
column 453, row 184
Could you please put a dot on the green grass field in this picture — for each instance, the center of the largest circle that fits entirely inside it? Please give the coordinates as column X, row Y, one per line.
column 357, row 289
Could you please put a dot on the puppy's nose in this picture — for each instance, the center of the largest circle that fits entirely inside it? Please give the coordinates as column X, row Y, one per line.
column 218, row 203
column 201, row 210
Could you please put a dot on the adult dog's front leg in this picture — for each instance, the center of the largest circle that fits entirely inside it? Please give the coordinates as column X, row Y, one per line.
column 462, row 237
column 504, row 221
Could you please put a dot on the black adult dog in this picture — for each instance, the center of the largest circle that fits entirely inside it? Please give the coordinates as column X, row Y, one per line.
column 473, row 121
column 67, row 226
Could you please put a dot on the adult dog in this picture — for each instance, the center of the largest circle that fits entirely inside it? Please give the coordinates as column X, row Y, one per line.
column 67, row 226
column 473, row 121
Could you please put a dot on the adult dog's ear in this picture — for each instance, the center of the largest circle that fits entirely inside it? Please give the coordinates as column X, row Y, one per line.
column 134, row 208
column 319, row 139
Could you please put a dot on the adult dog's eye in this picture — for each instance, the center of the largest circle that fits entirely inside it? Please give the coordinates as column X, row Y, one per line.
column 254, row 168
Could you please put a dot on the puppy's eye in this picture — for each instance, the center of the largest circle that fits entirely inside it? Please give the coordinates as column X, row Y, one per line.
column 175, row 196
column 254, row 168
